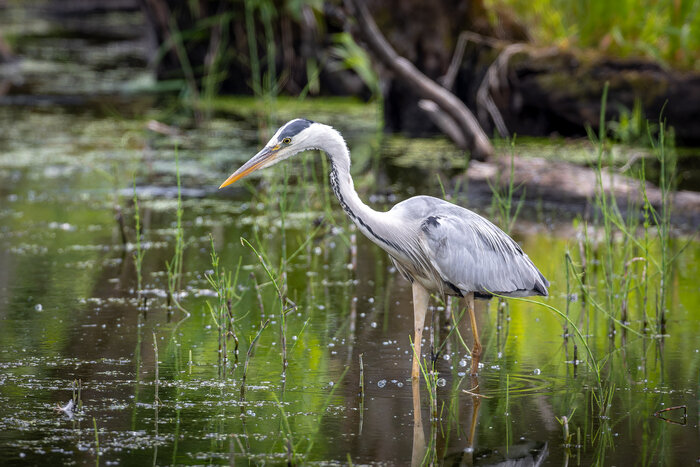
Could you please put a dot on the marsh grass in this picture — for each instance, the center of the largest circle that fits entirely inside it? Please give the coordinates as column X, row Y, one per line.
column 297, row 453
column 249, row 355
column 156, row 377
column 97, row 442
column 139, row 253
column 286, row 305
column 624, row 28
column 224, row 284
column 503, row 206
column 174, row 266
column 629, row 254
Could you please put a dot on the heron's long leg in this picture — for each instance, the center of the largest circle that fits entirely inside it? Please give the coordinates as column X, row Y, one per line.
column 476, row 349
column 420, row 308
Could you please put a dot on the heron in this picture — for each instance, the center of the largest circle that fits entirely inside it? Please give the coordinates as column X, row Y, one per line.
column 438, row 246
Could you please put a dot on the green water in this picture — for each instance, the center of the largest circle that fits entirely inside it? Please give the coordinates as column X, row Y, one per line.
column 69, row 310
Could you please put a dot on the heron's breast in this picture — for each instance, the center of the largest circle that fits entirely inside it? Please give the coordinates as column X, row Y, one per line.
column 425, row 276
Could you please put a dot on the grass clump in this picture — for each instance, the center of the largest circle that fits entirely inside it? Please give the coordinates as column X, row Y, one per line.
column 222, row 313
column 665, row 31
column 174, row 266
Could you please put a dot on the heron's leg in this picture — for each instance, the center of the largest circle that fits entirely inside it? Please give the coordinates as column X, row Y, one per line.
column 420, row 308
column 476, row 349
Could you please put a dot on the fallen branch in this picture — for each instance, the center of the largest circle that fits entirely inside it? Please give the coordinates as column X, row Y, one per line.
column 474, row 137
column 494, row 79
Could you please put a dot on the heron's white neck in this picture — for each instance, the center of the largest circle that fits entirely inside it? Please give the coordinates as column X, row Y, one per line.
column 369, row 221
column 375, row 225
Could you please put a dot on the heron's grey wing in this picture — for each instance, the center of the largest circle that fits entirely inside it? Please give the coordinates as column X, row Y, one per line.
column 473, row 255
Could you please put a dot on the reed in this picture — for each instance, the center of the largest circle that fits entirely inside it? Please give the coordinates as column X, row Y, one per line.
column 156, row 380
column 139, row 253
column 673, row 37
column 175, row 265
column 97, row 442
column 249, row 355
column 222, row 313
column 503, row 207
column 289, row 439
column 286, row 305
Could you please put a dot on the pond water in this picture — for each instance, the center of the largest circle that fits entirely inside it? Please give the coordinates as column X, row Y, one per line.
column 153, row 386
column 70, row 310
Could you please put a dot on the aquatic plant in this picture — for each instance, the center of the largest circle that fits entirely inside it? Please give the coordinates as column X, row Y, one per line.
column 622, row 28
column 286, row 305
column 174, row 266
column 139, row 253
column 97, row 442
column 621, row 247
column 503, row 210
column 249, row 355
column 156, row 380
column 222, row 314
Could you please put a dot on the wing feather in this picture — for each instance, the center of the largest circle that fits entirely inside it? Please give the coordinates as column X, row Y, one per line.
column 471, row 253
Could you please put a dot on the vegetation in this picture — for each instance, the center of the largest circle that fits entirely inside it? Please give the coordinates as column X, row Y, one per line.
column 665, row 31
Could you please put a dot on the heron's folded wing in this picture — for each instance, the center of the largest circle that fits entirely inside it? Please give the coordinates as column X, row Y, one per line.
column 474, row 255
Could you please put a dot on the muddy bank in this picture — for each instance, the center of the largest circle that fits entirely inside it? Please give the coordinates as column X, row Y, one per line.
column 568, row 190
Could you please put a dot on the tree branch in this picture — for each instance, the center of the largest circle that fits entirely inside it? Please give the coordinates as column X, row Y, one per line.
column 477, row 141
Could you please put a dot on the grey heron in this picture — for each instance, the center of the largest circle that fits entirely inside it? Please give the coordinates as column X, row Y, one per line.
column 436, row 245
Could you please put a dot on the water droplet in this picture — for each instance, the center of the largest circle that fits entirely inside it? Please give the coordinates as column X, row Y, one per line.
column 441, row 382
column 374, row 324
column 536, row 371
column 381, row 383
column 38, row 307
column 463, row 363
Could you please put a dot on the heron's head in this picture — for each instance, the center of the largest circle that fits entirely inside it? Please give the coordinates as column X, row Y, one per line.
column 294, row 136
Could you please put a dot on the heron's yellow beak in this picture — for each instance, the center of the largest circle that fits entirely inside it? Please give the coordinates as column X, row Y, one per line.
column 256, row 162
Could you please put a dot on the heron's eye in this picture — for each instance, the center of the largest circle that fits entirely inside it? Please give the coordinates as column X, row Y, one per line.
column 287, row 140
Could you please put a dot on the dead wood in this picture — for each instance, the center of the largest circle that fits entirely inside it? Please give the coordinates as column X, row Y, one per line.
column 473, row 135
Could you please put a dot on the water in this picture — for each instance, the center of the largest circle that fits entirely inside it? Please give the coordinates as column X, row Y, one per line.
column 69, row 310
